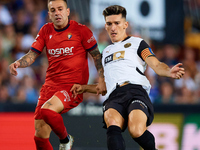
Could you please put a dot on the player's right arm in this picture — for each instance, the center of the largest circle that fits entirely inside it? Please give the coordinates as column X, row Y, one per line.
column 79, row 89
column 34, row 52
column 23, row 62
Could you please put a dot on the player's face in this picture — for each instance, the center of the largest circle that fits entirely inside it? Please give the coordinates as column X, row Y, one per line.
column 58, row 13
column 116, row 27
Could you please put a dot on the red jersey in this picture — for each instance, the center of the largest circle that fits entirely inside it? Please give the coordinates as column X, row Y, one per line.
column 66, row 50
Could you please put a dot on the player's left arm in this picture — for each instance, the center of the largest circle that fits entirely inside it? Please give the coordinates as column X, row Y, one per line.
column 96, row 55
column 160, row 68
column 163, row 69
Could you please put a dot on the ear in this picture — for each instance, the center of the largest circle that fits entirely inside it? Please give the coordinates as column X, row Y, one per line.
column 49, row 15
column 68, row 12
column 105, row 27
column 125, row 25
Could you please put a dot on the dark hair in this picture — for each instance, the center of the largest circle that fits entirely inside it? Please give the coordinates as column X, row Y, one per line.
column 114, row 10
column 55, row 0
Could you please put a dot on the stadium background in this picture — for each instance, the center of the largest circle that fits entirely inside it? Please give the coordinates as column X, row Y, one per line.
column 170, row 27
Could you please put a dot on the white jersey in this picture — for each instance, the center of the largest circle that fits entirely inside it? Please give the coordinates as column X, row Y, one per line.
column 124, row 62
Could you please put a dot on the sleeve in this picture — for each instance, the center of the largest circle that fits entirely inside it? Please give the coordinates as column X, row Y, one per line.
column 88, row 40
column 144, row 50
column 39, row 43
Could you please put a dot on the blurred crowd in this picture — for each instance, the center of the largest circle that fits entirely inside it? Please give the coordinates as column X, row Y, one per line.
column 20, row 21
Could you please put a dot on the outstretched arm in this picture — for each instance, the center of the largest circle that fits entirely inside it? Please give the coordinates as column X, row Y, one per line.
column 23, row 62
column 101, row 87
column 176, row 72
column 79, row 89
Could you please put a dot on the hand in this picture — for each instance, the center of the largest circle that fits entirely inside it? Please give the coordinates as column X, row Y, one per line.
column 76, row 89
column 13, row 68
column 101, row 87
column 177, row 72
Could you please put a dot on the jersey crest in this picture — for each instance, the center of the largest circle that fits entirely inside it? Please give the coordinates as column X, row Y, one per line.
column 127, row 45
column 69, row 36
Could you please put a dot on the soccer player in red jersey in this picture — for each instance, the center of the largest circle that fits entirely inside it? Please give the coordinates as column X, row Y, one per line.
column 67, row 44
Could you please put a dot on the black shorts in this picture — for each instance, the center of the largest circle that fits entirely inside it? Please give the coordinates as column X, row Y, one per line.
column 127, row 98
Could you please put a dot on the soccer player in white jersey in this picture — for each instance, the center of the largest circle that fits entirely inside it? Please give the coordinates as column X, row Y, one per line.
column 127, row 101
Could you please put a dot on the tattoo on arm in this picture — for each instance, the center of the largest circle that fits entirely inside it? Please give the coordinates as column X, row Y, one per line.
column 27, row 59
column 97, row 60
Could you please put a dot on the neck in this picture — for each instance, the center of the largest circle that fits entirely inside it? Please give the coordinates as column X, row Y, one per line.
column 62, row 26
column 122, row 39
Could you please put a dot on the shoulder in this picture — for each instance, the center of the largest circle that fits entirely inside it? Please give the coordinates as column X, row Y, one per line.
column 77, row 25
column 109, row 47
column 47, row 27
column 137, row 40
column 83, row 30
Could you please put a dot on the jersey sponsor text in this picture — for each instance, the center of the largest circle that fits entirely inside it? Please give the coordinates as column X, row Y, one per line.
column 114, row 56
column 60, row 51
